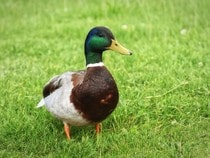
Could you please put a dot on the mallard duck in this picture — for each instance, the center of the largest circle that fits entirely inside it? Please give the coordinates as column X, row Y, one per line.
column 85, row 97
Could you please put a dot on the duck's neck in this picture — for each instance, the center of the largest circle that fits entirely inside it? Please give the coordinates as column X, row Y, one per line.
column 93, row 57
column 95, row 64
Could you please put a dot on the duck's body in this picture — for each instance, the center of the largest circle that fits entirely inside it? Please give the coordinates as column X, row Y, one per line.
column 68, row 96
column 84, row 97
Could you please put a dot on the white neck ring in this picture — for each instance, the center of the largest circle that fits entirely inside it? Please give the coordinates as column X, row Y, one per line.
column 95, row 64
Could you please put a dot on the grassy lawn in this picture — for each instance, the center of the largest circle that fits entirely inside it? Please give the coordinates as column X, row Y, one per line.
column 164, row 108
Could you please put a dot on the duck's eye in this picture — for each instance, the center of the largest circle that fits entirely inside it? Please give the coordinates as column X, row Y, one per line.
column 100, row 35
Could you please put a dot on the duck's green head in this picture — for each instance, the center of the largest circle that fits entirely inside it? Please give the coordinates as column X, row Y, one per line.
column 98, row 40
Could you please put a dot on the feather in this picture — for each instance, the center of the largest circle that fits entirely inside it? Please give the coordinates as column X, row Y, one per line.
column 41, row 103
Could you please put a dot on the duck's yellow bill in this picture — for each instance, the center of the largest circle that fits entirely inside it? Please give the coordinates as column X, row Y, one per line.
column 115, row 46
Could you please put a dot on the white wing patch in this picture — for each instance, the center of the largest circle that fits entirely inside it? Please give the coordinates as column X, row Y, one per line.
column 58, row 102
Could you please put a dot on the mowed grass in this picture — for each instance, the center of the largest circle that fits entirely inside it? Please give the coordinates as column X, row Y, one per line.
column 164, row 107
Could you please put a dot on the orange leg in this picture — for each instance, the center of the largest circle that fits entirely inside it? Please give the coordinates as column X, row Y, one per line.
column 67, row 130
column 98, row 128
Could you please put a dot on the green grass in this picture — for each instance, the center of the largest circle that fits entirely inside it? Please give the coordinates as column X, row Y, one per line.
column 164, row 108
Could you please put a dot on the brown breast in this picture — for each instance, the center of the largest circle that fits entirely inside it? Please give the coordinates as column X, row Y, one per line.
column 97, row 96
